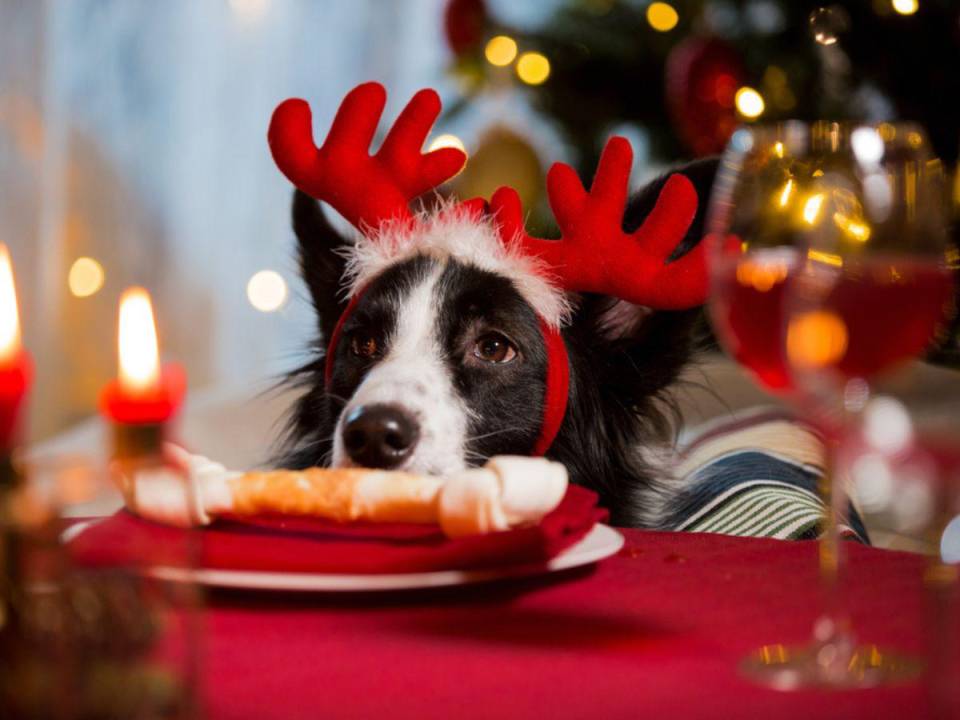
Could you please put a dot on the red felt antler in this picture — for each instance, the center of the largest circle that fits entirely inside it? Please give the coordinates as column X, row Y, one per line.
column 595, row 254
column 367, row 190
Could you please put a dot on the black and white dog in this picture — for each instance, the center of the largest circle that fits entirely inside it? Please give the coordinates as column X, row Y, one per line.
column 441, row 361
column 442, row 366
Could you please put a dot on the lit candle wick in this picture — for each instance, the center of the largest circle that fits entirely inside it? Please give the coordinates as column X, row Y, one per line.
column 139, row 357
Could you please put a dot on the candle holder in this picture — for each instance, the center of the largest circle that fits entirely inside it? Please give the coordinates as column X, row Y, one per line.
column 169, row 633
column 33, row 647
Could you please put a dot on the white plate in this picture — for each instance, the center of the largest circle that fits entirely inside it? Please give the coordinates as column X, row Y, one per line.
column 601, row 542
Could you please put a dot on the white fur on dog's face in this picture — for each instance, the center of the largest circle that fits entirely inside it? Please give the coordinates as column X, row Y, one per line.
column 414, row 377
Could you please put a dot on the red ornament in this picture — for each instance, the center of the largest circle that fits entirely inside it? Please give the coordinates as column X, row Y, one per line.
column 702, row 77
column 463, row 24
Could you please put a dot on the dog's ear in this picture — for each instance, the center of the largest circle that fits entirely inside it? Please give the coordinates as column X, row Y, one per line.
column 321, row 260
column 641, row 351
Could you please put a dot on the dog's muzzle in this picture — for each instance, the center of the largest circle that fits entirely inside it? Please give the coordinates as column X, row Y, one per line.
column 380, row 436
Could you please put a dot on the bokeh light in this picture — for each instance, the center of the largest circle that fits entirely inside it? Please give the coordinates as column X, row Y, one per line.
column 267, row 291
column 786, row 193
column 854, row 229
column 816, row 339
column 662, row 17
column 874, row 482
column 811, row 208
column 950, row 541
column 86, row 277
column 867, row 145
column 501, row 50
column 905, row 7
column 533, row 68
column 823, row 26
column 749, row 102
column 887, row 425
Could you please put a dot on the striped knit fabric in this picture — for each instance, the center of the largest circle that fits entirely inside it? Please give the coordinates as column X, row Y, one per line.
column 757, row 476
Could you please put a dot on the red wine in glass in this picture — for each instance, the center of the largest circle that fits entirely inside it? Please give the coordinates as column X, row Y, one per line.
column 860, row 318
column 872, row 315
column 748, row 312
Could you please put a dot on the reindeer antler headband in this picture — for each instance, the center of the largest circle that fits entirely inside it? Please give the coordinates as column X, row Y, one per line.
column 594, row 254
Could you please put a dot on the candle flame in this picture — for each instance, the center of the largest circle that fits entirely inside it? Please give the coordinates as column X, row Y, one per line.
column 138, row 349
column 9, row 316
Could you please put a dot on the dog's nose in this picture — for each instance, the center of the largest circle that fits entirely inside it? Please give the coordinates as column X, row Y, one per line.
column 380, row 436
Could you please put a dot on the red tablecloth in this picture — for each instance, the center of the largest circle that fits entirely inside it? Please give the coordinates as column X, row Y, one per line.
column 655, row 632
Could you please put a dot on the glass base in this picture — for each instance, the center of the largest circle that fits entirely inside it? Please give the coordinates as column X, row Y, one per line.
column 826, row 666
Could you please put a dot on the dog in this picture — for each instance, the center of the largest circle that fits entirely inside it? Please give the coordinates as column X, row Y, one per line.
column 442, row 361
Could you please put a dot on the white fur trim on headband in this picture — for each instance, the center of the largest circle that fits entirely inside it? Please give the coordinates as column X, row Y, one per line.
column 451, row 232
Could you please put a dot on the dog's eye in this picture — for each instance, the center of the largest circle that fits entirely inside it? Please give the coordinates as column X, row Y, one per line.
column 364, row 346
column 494, row 348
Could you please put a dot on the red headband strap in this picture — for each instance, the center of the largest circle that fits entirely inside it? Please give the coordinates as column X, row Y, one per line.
column 335, row 338
column 557, row 390
column 555, row 394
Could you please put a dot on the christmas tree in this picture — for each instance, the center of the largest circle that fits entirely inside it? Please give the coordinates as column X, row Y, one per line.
column 687, row 72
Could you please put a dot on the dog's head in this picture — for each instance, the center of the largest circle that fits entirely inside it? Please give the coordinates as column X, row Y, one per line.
column 447, row 337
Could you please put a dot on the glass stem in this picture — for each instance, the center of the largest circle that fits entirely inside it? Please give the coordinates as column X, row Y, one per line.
column 941, row 583
column 832, row 630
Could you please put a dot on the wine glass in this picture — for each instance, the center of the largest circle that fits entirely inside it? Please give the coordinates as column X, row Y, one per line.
column 828, row 265
column 903, row 463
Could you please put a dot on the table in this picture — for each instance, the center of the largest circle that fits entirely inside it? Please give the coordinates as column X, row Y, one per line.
column 654, row 632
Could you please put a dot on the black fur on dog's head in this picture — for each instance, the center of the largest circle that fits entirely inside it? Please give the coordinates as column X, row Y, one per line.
column 426, row 334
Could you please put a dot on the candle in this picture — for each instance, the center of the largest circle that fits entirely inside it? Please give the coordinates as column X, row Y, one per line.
column 144, row 392
column 16, row 368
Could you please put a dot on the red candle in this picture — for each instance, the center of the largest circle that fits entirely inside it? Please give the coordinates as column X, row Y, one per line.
column 16, row 367
column 144, row 392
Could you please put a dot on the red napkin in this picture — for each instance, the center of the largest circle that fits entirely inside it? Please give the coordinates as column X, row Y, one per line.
column 283, row 544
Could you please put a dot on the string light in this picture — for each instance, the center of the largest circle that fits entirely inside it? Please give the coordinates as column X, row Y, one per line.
column 267, row 291
column 662, row 17
column 749, row 102
column 86, row 277
column 905, row 7
column 501, row 50
column 446, row 141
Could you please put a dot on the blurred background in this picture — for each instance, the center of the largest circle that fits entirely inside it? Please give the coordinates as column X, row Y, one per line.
column 133, row 151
